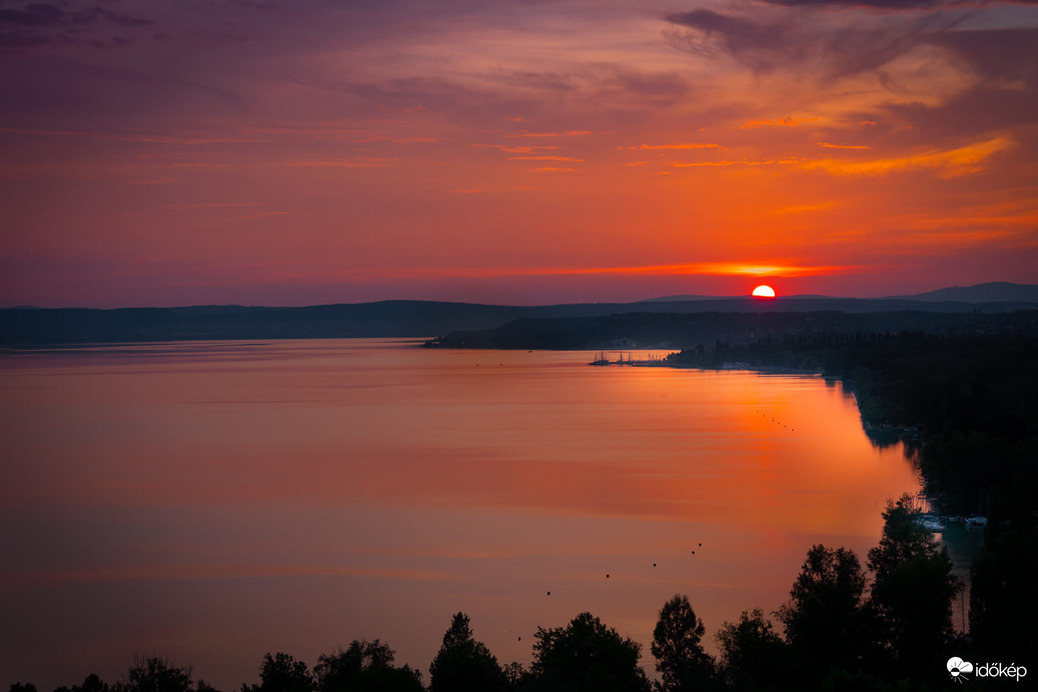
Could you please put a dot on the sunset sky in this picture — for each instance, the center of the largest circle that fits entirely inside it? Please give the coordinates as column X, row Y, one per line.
column 293, row 152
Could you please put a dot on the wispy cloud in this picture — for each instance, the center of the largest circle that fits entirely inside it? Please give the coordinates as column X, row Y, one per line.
column 835, row 46
column 567, row 133
column 683, row 145
column 784, row 269
column 544, row 158
column 954, row 162
column 804, row 208
column 339, row 163
column 131, row 137
column 876, row 4
column 727, row 163
column 787, row 121
column 511, row 149
column 42, row 24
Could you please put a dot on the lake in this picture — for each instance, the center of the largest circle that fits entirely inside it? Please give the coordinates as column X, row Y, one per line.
column 213, row 501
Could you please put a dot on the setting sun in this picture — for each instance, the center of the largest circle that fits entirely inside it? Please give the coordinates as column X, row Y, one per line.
column 764, row 292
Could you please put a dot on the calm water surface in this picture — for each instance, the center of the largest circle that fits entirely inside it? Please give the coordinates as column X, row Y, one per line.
column 215, row 501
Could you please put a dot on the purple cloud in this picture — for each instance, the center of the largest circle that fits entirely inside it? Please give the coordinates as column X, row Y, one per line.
column 40, row 24
column 1005, row 96
column 785, row 40
column 893, row 4
column 48, row 15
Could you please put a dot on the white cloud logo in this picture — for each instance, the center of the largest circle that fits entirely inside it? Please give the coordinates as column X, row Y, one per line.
column 958, row 668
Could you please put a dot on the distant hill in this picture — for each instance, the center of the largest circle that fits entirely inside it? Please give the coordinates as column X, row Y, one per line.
column 409, row 318
column 681, row 298
column 996, row 291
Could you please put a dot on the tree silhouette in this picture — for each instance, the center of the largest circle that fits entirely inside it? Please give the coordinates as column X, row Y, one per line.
column 154, row 674
column 515, row 675
column 585, row 656
column 92, row 683
column 753, row 656
column 681, row 661
column 282, row 673
column 912, row 592
column 1003, row 594
column 364, row 666
column 824, row 619
column 22, row 687
column 463, row 664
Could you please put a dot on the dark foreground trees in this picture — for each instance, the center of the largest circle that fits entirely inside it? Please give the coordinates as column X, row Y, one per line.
column 92, row 683
column 585, row 656
column 676, row 644
column 365, row 667
column 899, row 630
column 1004, row 597
column 753, row 655
column 282, row 673
column 463, row 664
column 912, row 593
column 824, row 619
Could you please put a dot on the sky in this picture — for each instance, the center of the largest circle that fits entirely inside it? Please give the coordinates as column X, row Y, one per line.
column 277, row 152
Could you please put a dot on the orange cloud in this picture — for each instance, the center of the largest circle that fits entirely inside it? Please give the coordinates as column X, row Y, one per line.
column 518, row 149
column 800, row 208
column 568, row 133
column 739, row 269
column 543, row 158
column 368, row 138
column 340, row 163
column 689, row 145
column 961, row 161
column 688, row 269
column 780, row 122
column 842, row 146
column 694, row 164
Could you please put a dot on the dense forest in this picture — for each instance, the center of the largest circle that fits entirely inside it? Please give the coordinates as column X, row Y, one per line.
column 885, row 624
column 644, row 330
